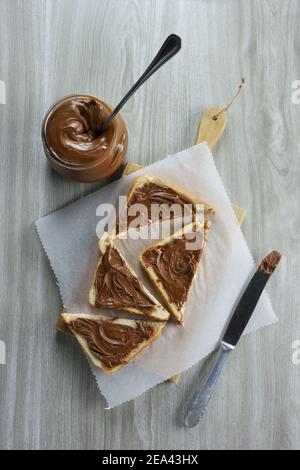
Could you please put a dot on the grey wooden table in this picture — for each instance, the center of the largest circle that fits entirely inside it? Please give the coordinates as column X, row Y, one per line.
column 50, row 48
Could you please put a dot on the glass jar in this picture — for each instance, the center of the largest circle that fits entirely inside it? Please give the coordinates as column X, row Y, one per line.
column 73, row 144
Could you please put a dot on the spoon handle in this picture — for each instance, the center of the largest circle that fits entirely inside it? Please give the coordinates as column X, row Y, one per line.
column 169, row 48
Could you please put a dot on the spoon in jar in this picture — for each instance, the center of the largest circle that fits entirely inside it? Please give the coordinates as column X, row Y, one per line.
column 169, row 48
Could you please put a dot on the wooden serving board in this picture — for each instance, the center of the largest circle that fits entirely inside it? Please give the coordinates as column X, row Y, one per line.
column 209, row 130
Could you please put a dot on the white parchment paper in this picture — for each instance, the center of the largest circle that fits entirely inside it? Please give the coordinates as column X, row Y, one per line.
column 69, row 239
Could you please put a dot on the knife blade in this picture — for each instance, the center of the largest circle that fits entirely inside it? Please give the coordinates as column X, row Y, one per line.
column 249, row 299
column 234, row 331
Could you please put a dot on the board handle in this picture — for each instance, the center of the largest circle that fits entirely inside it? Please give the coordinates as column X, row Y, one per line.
column 214, row 121
column 210, row 127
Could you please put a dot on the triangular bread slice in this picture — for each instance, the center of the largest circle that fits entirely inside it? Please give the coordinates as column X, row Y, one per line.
column 148, row 190
column 172, row 264
column 116, row 286
column 110, row 343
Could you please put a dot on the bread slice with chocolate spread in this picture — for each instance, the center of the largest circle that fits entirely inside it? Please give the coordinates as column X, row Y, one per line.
column 172, row 264
column 111, row 343
column 161, row 201
column 117, row 287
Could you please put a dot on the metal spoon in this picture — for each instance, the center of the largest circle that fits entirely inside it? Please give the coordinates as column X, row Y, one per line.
column 169, row 48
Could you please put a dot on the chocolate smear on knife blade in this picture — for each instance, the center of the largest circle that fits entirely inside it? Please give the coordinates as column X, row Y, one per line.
column 270, row 262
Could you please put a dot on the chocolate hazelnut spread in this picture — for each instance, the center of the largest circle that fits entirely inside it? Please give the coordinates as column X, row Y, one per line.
column 111, row 342
column 73, row 143
column 269, row 263
column 175, row 266
column 117, row 288
column 153, row 193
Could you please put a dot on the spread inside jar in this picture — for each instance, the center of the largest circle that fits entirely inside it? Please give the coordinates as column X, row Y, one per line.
column 72, row 130
column 74, row 144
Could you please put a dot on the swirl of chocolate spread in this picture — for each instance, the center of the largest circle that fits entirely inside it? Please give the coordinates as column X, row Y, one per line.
column 175, row 266
column 156, row 194
column 73, row 130
column 74, row 143
column 153, row 193
column 116, row 287
column 111, row 342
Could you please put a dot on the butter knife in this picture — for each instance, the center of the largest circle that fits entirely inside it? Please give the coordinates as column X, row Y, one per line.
column 235, row 329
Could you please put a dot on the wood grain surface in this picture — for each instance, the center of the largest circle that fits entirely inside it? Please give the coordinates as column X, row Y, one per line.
column 50, row 48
